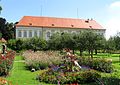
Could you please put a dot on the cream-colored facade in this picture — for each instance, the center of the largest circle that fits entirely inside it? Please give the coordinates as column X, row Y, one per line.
column 29, row 32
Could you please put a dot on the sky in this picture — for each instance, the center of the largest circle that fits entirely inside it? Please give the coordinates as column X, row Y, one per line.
column 105, row 12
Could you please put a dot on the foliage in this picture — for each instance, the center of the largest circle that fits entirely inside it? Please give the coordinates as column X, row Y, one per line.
column 35, row 44
column 99, row 64
column 59, row 41
column 52, row 77
column 85, row 40
column 6, row 62
column 26, row 44
column 15, row 44
column 41, row 59
column 7, row 29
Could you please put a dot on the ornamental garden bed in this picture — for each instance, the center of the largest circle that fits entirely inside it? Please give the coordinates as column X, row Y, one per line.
column 6, row 62
column 60, row 70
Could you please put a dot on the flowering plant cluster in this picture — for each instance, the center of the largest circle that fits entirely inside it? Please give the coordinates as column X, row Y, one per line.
column 41, row 60
column 100, row 64
column 4, row 82
column 6, row 62
column 53, row 77
column 68, row 73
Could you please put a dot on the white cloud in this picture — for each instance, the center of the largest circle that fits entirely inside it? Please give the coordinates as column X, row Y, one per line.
column 115, row 4
column 113, row 24
column 114, row 8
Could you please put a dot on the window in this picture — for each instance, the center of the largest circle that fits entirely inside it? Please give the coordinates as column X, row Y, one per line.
column 48, row 34
column 25, row 34
column 30, row 33
column 19, row 34
column 39, row 33
column 35, row 33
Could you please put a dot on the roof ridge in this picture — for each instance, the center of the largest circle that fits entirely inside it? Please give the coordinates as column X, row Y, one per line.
column 55, row 17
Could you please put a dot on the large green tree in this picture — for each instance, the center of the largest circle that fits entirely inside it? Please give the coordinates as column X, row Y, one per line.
column 92, row 40
column 80, row 42
column 7, row 29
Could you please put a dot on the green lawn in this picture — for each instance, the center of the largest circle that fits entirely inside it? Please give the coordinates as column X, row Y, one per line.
column 21, row 76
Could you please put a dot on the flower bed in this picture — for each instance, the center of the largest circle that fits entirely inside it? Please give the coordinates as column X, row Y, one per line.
column 99, row 64
column 41, row 59
column 55, row 77
column 68, row 73
column 6, row 62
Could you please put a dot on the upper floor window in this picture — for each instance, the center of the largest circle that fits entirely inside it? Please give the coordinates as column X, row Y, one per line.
column 19, row 34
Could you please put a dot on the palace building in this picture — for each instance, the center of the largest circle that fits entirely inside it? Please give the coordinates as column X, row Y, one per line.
column 44, row 27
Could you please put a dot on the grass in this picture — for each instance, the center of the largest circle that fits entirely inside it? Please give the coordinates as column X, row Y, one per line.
column 21, row 76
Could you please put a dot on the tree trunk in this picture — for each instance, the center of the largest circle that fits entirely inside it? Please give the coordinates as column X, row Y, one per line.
column 95, row 51
column 80, row 52
column 73, row 51
column 91, row 53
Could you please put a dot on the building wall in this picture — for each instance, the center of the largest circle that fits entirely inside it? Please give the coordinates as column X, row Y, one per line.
column 27, row 32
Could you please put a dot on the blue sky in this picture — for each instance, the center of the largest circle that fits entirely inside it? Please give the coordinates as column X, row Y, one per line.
column 105, row 12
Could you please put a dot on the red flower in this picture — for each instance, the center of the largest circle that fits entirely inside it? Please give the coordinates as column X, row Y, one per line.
column 3, row 57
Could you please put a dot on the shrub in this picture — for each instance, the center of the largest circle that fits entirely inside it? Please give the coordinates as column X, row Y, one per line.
column 81, row 77
column 6, row 62
column 34, row 44
column 99, row 64
column 41, row 59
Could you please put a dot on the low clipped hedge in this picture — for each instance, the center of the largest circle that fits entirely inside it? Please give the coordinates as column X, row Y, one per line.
column 100, row 64
column 53, row 77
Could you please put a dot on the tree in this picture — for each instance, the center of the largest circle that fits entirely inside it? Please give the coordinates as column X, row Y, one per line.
column 35, row 44
column 99, row 44
column 117, row 41
column 7, row 29
column 91, row 40
column 68, row 41
column 55, row 42
column 80, row 42
column 110, row 44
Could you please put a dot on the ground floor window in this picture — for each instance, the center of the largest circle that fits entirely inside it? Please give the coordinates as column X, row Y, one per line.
column 30, row 33
column 19, row 34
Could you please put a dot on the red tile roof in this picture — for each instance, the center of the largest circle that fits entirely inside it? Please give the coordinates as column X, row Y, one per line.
column 52, row 22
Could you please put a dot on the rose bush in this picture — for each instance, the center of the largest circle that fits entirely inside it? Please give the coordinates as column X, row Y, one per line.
column 53, row 77
column 6, row 62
